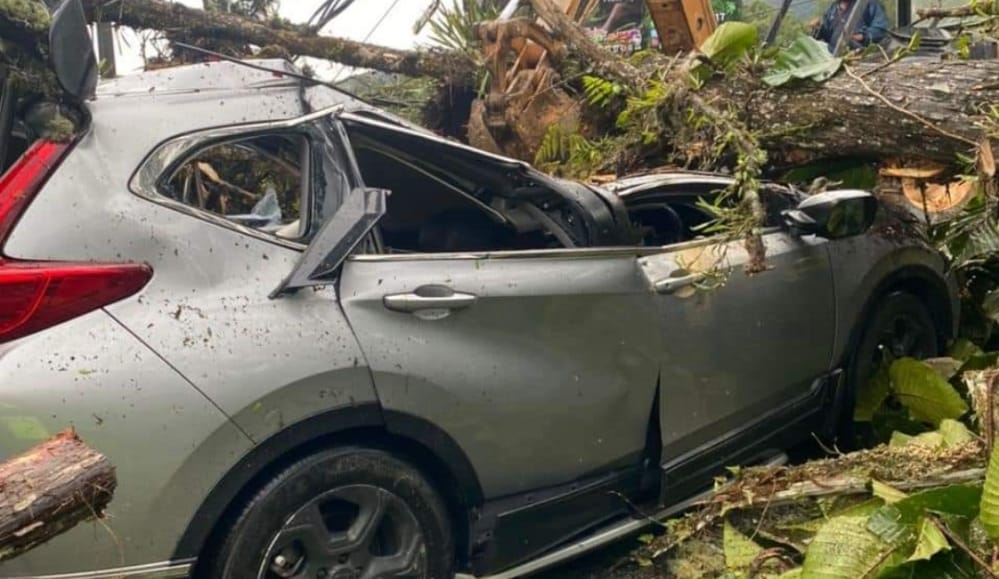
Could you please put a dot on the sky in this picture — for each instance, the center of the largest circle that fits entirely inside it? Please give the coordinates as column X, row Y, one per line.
column 358, row 22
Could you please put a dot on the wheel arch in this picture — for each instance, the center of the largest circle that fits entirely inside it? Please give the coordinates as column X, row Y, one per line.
column 427, row 447
column 930, row 286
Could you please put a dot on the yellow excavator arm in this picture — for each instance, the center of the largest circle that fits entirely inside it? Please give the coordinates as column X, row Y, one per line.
column 682, row 25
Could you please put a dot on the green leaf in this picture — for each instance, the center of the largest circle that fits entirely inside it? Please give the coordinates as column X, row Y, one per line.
column 899, row 439
column 740, row 550
column 930, row 542
column 889, row 493
column 889, row 524
column 805, row 58
column 946, row 367
column 898, row 523
column 964, row 349
column 926, row 395
column 990, row 496
column 863, row 509
column 844, row 549
column 872, row 395
column 949, row 565
column 791, row 573
column 928, row 439
column 729, row 42
column 955, row 433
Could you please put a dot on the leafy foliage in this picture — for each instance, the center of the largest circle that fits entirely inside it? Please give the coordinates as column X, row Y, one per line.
column 990, row 497
column 729, row 42
column 567, row 152
column 740, row 550
column 600, row 92
column 928, row 397
column 805, row 58
column 453, row 27
column 844, row 549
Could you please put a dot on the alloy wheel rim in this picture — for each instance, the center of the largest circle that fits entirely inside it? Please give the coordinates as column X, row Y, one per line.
column 351, row 532
column 904, row 337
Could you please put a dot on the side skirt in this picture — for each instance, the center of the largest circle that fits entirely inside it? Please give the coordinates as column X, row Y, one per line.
column 756, row 441
column 514, row 529
column 154, row 570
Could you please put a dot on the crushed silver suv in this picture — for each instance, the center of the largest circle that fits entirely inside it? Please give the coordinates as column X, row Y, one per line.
column 318, row 342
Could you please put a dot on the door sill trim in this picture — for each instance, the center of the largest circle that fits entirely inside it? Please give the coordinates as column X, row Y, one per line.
column 599, row 538
column 159, row 570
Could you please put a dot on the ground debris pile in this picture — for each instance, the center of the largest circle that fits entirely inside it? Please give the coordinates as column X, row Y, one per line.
column 904, row 467
column 923, row 498
column 764, row 521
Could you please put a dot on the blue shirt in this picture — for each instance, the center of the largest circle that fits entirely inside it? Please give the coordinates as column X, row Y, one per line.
column 873, row 25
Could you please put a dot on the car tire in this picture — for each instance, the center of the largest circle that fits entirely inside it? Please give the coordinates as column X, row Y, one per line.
column 899, row 322
column 350, row 512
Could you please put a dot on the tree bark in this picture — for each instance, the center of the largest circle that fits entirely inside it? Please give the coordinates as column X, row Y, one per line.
column 49, row 489
column 181, row 22
column 911, row 109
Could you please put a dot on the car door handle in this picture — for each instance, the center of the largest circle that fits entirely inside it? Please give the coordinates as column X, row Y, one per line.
column 429, row 298
column 672, row 284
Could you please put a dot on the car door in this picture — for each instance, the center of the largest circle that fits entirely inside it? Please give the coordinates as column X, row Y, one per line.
column 539, row 363
column 541, row 366
column 744, row 353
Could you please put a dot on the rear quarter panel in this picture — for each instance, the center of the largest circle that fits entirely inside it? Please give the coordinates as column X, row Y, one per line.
column 127, row 403
column 264, row 364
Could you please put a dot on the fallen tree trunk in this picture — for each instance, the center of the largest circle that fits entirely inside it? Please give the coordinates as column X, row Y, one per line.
column 913, row 108
column 49, row 489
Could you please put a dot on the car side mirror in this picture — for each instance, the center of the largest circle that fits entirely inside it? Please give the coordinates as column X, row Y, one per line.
column 833, row 214
column 71, row 51
column 341, row 233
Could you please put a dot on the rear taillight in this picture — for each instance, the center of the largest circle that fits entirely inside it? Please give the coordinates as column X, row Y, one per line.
column 35, row 295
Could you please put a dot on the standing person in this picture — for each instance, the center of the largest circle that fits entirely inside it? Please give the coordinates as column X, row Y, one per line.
column 872, row 29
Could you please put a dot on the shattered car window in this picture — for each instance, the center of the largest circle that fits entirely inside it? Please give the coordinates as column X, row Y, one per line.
column 434, row 209
column 258, row 182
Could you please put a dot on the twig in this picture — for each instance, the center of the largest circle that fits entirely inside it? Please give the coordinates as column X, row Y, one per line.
column 763, row 514
column 902, row 53
column 907, row 112
column 957, row 541
column 637, row 511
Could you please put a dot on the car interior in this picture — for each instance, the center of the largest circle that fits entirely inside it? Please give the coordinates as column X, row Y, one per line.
column 443, row 199
column 256, row 182
column 448, row 205
column 679, row 213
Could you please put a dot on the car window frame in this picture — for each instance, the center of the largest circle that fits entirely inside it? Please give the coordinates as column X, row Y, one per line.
column 169, row 155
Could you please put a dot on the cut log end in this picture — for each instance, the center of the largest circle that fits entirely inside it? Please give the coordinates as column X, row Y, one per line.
column 49, row 490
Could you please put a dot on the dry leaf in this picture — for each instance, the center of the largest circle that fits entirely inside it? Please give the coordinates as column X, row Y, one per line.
column 986, row 162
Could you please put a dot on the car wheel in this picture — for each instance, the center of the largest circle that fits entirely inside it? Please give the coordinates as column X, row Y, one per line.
column 349, row 513
column 900, row 326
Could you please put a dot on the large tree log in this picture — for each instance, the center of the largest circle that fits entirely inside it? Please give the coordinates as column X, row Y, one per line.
column 49, row 489
column 912, row 108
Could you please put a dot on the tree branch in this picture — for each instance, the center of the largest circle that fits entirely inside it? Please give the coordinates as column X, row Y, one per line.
column 180, row 21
